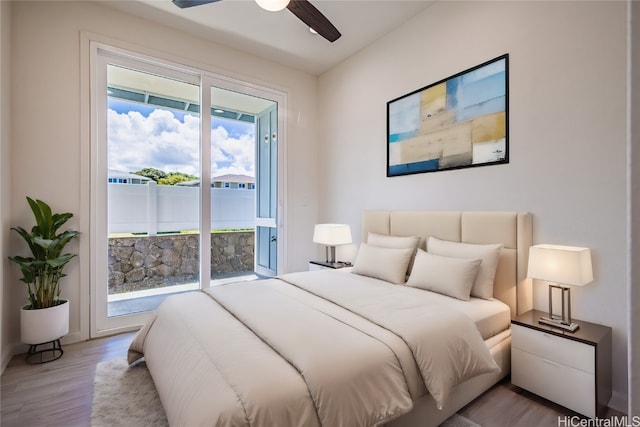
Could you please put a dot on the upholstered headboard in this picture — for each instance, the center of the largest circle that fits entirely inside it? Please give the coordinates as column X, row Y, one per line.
column 512, row 229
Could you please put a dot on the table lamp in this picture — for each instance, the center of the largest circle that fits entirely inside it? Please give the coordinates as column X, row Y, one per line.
column 332, row 235
column 561, row 267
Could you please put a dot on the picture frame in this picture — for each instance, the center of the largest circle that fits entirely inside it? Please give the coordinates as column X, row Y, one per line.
column 461, row 121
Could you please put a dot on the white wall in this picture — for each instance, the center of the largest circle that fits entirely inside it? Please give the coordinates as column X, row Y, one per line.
column 567, row 112
column 46, row 117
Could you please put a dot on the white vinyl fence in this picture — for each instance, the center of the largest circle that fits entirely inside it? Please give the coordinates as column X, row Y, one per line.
column 152, row 208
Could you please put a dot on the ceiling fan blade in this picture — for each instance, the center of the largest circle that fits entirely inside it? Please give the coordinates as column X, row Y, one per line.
column 190, row 3
column 311, row 16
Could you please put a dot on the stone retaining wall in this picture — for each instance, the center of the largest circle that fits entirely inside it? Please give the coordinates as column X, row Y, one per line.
column 146, row 262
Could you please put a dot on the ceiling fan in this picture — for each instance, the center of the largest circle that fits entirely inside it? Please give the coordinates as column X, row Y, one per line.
column 303, row 9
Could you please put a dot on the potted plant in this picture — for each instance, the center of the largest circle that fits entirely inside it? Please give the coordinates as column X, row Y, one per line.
column 46, row 317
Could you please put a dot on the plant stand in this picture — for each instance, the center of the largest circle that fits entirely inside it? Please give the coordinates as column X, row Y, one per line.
column 54, row 352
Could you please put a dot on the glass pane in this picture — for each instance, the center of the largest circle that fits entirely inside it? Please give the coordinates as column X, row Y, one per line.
column 233, row 182
column 267, row 197
column 153, row 134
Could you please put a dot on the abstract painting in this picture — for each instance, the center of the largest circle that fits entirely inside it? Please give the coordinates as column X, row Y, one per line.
column 461, row 121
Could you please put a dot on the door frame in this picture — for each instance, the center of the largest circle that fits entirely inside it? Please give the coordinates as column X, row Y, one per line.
column 93, row 222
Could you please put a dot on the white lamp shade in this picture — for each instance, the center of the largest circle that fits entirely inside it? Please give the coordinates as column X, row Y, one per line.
column 568, row 265
column 332, row 234
column 272, row 5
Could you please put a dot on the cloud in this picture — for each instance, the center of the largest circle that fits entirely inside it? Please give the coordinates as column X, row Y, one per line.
column 232, row 155
column 162, row 141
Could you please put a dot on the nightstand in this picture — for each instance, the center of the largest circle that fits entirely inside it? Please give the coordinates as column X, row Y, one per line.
column 572, row 369
column 322, row 265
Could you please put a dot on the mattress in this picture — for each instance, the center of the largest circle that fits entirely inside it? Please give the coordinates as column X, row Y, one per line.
column 490, row 316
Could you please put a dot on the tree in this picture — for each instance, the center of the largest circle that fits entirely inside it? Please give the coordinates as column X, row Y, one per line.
column 164, row 178
column 175, row 177
column 153, row 173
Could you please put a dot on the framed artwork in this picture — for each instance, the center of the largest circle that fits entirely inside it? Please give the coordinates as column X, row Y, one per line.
column 459, row 122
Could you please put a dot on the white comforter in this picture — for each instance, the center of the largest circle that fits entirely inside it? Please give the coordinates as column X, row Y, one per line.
column 308, row 349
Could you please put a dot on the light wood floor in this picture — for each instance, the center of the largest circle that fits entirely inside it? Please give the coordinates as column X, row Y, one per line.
column 508, row 405
column 59, row 393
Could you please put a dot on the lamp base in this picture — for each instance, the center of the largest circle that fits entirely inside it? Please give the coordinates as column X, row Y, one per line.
column 559, row 323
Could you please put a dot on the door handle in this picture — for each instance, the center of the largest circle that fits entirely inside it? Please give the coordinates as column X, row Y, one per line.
column 273, row 239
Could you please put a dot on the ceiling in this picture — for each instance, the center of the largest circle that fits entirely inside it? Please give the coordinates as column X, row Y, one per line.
column 280, row 36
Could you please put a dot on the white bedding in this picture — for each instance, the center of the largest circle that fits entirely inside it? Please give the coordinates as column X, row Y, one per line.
column 267, row 353
column 490, row 316
column 412, row 315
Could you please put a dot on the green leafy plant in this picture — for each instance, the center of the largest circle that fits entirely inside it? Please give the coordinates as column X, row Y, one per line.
column 43, row 270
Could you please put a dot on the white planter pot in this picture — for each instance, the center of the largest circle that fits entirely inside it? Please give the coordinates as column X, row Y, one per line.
column 44, row 325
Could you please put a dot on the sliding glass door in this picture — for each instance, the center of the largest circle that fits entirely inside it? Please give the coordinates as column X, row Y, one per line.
column 171, row 213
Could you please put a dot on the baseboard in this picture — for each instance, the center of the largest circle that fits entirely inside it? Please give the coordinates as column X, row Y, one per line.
column 7, row 354
column 20, row 348
column 72, row 338
column 619, row 401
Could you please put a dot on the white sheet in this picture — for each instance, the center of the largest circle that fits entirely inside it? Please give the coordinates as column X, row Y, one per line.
column 490, row 316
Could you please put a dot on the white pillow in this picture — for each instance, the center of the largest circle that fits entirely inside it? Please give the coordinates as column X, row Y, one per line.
column 395, row 242
column 445, row 275
column 489, row 254
column 387, row 264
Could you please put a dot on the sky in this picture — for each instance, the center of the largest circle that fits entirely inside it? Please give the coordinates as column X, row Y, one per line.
column 143, row 136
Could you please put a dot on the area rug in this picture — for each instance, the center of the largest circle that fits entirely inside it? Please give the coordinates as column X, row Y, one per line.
column 124, row 396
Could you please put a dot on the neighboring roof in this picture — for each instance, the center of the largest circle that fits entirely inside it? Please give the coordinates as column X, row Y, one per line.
column 221, row 178
column 119, row 174
column 233, row 178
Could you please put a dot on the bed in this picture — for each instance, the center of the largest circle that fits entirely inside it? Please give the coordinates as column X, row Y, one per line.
column 416, row 329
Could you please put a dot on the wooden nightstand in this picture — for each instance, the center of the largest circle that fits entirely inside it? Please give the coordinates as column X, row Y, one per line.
column 321, row 265
column 572, row 369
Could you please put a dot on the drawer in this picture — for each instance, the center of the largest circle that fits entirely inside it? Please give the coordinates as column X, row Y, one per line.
column 572, row 388
column 555, row 349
